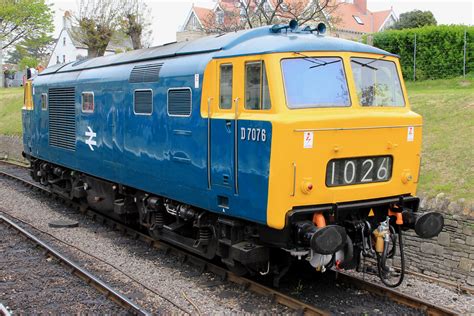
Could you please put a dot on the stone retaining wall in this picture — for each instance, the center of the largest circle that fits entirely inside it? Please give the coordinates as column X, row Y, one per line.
column 450, row 256
column 11, row 148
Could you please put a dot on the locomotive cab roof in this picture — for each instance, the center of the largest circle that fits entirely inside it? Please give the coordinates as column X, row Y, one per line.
column 255, row 41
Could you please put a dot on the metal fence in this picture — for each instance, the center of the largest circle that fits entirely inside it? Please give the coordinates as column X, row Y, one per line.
column 449, row 67
column 433, row 53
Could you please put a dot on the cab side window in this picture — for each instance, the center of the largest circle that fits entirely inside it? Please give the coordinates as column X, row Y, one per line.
column 225, row 87
column 257, row 95
column 87, row 102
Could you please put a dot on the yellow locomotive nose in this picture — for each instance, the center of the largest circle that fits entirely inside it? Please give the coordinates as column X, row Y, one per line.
column 362, row 167
column 344, row 126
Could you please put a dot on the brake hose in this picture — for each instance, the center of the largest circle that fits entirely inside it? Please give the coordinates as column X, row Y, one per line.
column 381, row 263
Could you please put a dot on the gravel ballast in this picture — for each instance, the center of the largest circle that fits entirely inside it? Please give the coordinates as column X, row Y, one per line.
column 30, row 283
column 182, row 285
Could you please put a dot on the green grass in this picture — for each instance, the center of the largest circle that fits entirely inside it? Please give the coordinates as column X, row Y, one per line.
column 11, row 102
column 447, row 107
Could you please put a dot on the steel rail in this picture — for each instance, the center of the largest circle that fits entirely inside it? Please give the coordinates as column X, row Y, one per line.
column 77, row 270
column 256, row 287
column 394, row 295
column 203, row 264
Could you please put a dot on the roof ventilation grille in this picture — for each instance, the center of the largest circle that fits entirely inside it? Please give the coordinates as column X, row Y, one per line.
column 145, row 73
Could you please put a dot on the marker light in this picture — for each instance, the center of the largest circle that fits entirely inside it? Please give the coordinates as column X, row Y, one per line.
column 306, row 187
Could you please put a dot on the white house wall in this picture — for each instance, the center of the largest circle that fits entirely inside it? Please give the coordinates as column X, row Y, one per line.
column 65, row 51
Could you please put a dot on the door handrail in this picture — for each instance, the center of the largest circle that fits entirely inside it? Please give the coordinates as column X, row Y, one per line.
column 209, row 142
column 236, row 147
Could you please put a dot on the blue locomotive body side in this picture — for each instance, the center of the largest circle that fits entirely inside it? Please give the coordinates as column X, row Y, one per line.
column 157, row 153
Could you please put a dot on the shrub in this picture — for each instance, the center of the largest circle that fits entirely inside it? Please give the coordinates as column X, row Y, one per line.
column 439, row 50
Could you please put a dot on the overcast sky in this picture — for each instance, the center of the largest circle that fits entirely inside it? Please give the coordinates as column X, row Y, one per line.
column 167, row 16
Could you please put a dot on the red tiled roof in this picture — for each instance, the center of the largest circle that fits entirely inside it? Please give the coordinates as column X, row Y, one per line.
column 372, row 21
column 202, row 14
column 343, row 15
column 379, row 18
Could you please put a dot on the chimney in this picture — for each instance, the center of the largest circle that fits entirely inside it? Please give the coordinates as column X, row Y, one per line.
column 67, row 20
column 361, row 5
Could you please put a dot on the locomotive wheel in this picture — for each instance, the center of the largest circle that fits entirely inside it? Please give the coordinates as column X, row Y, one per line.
column 237, row 268
column 154, row 233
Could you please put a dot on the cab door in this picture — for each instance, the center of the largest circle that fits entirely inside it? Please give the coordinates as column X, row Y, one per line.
column 222, row 134
column 27, row 112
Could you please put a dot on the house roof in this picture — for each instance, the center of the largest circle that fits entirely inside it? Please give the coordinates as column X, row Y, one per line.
column 379, row 18
column 343, row 13
column 347, row 13
column 246, row 42
column 202, row 14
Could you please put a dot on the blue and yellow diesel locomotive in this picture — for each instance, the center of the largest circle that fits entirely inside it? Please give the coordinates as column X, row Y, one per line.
column 258, row 146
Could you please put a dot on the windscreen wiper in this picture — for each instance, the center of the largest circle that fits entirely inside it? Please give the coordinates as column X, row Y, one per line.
column 326, row 63
column 316, row 61
column 368, row 63
column 364, row 64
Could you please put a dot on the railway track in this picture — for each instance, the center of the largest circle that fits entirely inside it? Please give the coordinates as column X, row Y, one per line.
column 78, row 271
column 206, row 266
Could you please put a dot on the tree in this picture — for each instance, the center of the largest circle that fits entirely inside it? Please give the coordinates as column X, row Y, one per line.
column 135, row 22
column 97, row 20
column 254, row 13
column 37, row 48
column 414, row 19
column 28, row 62
column 23, row 18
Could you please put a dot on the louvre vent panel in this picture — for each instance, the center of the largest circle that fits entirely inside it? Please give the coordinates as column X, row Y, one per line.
column 143, row 102
column 145, row 73
column 62, row 118
column 179, row 102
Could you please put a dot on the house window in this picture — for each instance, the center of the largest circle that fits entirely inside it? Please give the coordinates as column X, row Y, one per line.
column 88, row 102
column 44, row 101
column 257, row 95
column 266, row 7
column 220, row 17
column 64, row 58
column 358, row 20
column 243, row 15
column 64, row 41
column 225, row 88
column 57, row 59
column 194, row 23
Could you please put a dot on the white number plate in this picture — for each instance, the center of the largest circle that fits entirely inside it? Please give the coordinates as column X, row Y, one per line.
column 253, row 134
column 358, row 170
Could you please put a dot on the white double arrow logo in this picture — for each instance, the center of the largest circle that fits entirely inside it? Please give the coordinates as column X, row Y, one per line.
column 91, row 142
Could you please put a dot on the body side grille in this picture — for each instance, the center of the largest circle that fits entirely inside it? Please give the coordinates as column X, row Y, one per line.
column 179, row 102
column 62, row 118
